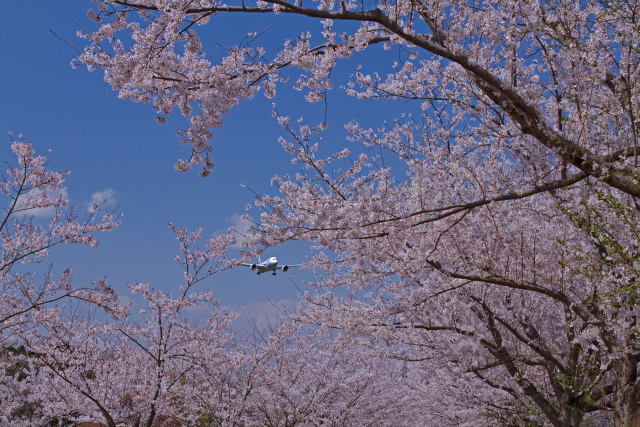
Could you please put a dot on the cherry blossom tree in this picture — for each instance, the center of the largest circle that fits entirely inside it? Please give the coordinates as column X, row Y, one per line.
column 135, row 372
column 313, row 377
column 35, row 219
column 499, row 256
column 169, row 369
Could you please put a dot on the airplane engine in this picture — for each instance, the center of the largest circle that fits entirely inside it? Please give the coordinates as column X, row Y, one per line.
column 254, row 266
column 285, row 267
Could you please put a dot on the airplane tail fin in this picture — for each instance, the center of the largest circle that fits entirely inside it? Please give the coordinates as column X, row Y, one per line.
column 259, row 260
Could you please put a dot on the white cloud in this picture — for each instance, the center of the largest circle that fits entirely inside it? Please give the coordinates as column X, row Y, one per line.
column 40, row 212
column 240, row 225
column 105, row 199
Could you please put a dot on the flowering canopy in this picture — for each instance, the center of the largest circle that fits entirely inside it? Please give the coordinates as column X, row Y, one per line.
column 501, row 267
column 491, row 263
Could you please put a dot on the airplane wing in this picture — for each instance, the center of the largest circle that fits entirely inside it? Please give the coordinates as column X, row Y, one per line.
column 252, row 266
column 259, row 267
column 285, row 267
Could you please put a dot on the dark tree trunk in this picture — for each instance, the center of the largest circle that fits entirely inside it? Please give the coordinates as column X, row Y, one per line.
column 626, row 394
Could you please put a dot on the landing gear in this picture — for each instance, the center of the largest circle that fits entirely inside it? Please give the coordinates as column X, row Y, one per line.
column 258, row 273
column 273, row 274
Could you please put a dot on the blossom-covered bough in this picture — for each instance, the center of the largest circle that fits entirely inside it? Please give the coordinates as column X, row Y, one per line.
column 36, row 218
column 503, row 263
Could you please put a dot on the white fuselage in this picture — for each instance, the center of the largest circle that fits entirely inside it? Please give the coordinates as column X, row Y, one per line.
column 268, row 265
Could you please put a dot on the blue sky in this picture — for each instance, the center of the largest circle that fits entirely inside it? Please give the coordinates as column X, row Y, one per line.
column 109, row 143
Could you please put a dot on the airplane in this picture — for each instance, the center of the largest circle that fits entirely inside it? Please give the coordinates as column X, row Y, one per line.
column 269, row 265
